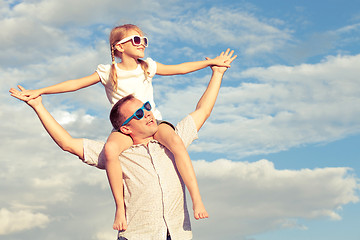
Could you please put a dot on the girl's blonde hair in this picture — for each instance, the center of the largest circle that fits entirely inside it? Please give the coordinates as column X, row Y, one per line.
column 116, row 34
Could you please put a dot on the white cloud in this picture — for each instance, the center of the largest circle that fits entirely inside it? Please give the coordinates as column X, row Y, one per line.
column 49, row 174
column 348, row 29
column 65, row 117
column 235, row 28
column 65, row 12
column 245, row 198
column 282, row 107
column 106, row 235
column 16, row 221
column 334, row 41
column 259, row 110
column 54, row 181
column 80, row 13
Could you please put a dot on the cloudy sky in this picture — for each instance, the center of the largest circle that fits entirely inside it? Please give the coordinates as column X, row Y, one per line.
column 278, row 159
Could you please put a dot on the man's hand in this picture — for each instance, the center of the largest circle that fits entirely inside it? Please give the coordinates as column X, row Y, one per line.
column 21, row 96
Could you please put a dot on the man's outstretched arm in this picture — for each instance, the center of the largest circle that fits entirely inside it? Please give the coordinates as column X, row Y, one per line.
column 208, row 99
column 61, row 137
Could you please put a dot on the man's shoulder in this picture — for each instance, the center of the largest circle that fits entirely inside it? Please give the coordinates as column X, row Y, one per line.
column 187, row 131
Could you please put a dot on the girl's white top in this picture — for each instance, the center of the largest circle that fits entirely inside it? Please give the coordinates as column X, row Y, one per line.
column 130, row 82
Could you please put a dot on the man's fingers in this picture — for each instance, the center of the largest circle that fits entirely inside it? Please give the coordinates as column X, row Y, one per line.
column 233, row 58
column 231, row 53
column 227, row 51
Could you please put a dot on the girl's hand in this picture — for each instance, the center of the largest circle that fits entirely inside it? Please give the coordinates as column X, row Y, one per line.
column 224, row 60
column 120, row 223
column 27, row 94
column 21, row 96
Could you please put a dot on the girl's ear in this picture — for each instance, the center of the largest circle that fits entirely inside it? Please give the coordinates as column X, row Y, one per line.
column 125, row 130
column 119, row 48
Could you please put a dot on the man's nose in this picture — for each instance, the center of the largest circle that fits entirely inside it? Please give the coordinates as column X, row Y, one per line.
column 147, row 113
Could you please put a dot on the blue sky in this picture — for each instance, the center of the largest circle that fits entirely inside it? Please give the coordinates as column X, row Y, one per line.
column 278, row 158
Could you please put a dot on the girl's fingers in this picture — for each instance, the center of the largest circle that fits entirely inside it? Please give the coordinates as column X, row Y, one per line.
column 12, row 90
column 16, row 96
column 16, row 92
column 21, row 88
column 20, row 97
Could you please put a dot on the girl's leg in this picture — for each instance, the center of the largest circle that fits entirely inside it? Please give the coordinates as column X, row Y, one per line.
column 167, row 137
column 115, row 145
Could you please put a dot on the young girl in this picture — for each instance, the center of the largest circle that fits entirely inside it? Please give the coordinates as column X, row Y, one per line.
column 134, row 76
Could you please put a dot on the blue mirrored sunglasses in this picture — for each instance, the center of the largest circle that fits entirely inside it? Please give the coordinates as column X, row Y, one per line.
column 139, row 114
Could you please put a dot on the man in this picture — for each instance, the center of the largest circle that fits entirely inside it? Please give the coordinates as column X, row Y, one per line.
column 153, row 189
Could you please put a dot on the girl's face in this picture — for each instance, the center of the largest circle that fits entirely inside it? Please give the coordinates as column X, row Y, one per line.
column 131, row 50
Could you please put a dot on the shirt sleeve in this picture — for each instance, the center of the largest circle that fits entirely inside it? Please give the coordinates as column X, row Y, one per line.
column 186, row 129
column 103, row 71
column 94, row 153
column 152, row 67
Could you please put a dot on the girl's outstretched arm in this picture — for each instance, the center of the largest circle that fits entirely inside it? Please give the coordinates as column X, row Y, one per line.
column 67, row 86
column 188, row 67
column 61, row 137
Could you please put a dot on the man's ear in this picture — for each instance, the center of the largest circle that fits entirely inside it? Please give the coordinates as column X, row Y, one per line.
column 119, row 48
column 125, row 130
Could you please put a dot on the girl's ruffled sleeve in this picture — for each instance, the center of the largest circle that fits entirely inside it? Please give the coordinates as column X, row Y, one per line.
column 103, row 70
column 152, row 67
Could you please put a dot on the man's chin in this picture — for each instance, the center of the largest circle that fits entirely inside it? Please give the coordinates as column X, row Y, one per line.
column 155, row 128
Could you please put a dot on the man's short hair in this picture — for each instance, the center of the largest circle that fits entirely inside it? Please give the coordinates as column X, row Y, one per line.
column 116, row 117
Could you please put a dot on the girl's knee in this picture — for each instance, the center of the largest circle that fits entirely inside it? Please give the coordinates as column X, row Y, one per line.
column 174, row 141
column 111, row 146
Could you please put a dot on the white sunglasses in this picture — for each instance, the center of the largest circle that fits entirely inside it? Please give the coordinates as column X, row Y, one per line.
column 136, row 40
